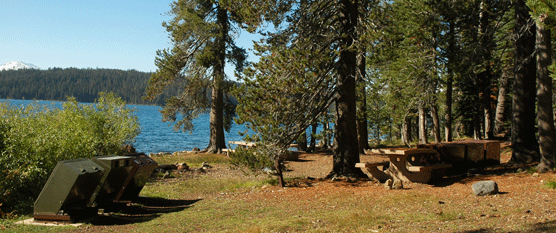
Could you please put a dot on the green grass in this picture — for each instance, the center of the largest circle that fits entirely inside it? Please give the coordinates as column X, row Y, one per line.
column 550, row 184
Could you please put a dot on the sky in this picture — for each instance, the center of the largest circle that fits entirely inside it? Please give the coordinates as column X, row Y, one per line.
column 114, row 34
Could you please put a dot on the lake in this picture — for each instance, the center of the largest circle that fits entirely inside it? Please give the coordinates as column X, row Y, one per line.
column 157, row 136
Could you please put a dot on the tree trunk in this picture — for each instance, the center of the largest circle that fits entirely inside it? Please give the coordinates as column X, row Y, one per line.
column 449, row 82
column 278, row 167
column 436, row 124
column 406, row 131
column 362, row 132
column 486, row 76
column 346, row 147
column 217, row 141
column 544, row 108
column 487, row 102
column 477, row 126
column 501, row 105
column 422, row 125
column 313, row 144
column 302, row 141
column 326, row 136
column 524, row 144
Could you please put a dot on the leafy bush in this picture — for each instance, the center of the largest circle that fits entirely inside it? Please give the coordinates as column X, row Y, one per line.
column 35, row 137
column 242, row 157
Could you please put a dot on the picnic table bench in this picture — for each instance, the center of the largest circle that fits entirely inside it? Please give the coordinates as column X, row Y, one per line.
column 408, row 165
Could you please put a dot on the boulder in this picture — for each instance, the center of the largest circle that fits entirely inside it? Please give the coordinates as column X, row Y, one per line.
column 483, row 188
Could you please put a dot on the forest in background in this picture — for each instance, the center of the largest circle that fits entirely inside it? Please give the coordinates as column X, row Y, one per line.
column 83, row 84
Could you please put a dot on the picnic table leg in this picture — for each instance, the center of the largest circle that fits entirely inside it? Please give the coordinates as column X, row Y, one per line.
column 371, row 170
column 376, row 173
column 398, row 170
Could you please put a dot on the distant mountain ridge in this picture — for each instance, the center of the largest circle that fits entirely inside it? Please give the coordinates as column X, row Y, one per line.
column 83, row 84
column 17, row 65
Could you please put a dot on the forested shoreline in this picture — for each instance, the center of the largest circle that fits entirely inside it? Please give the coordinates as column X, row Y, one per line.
column 83, row 84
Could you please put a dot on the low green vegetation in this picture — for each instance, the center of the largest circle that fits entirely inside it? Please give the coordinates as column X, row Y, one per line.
column 35, row 137
column 193, row 160
column 550, row 184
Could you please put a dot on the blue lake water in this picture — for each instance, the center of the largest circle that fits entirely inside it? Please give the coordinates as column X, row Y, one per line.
column 157, row 136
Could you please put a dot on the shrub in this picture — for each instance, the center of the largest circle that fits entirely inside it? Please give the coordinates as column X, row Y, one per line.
column 35, row 137
column 248, row 158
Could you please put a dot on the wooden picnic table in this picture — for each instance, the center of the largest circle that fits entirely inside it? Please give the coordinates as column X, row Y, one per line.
column 243, row 144
column 408, row 165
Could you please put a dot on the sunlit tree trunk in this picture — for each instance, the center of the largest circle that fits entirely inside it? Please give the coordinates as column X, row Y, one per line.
column 422, row 125
column 544, row 107
column 346, row 147
column 217, row 140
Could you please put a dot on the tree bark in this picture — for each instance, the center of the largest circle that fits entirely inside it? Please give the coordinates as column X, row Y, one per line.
column 346, row 146
column 524, row 144
column 501, row 104
column 362, row 132
column 217, row 141
column 544, row 107
column 278, row 167
column 313, row 144
column 436, row 124
column 326, row 136
column 449, row 82
column 422, row 125
column 302, row 141
column 486, row 75
column 406, row 131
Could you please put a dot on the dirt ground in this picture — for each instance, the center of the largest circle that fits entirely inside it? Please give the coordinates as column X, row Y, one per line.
column 523, row 198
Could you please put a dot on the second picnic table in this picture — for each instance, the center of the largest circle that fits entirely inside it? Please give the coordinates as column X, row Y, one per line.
column 408, row 165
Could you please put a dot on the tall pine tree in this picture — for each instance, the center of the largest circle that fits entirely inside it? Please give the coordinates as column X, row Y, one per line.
column 202, row 36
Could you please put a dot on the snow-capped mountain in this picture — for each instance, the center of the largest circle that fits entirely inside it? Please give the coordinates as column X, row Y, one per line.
column 16, row 65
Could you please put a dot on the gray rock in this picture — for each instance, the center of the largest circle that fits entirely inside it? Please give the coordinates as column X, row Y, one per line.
column 483, row 188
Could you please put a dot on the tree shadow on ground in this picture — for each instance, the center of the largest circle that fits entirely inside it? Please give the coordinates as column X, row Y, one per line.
column 472, row 174
column 549, row 226
column 144, row 209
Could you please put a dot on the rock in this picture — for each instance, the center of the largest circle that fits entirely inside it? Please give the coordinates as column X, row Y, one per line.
column 269, row 171
column 483, row 188
column 195, row 149
column 206, row 165
column 397, row 184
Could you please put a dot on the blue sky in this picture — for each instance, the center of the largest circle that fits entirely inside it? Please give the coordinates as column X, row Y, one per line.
column 112, row 34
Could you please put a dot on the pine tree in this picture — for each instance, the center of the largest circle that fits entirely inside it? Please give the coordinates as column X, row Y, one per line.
column 544, row 13
column 305, row 67
column 525, row 148
column 202, row 36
